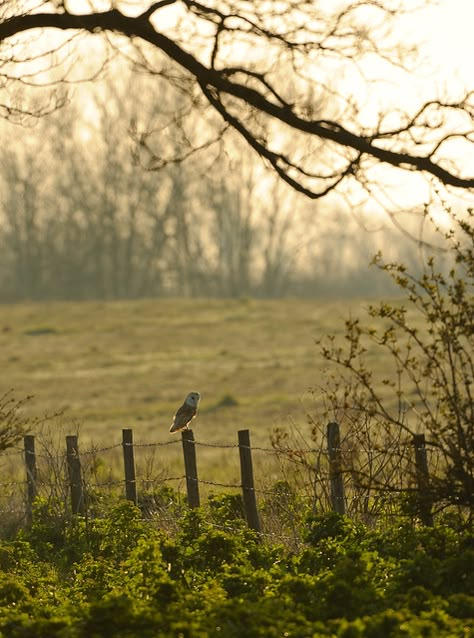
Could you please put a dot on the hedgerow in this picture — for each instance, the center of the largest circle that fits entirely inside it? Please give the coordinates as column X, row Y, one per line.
column 121, row 575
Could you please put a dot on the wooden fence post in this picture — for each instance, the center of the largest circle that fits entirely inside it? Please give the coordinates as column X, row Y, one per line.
column 129, row 466
column 338, row 499
column 248, row 489
column 190, row 465
column 31, row 474
column 422, row 480
column 75, row 475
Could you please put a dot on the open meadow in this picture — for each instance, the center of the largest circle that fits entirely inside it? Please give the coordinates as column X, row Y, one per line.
column 122, row 570
column 129, row 364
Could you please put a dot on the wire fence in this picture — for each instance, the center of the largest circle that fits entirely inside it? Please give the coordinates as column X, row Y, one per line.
column 363, row 481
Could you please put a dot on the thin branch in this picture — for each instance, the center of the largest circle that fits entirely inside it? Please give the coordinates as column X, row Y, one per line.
column 214, row 82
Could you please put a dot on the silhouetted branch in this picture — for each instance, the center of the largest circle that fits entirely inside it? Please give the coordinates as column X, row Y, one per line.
column 240, row 92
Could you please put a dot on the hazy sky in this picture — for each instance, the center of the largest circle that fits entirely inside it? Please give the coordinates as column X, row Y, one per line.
column 449, row 41
column 444, row 34
column 448, row 33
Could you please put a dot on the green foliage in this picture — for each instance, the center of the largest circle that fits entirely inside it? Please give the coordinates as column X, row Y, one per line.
column 428, row 377
column 117, row 535
column 329, row 525
column 227, row 508
column 118, row 575
column 47, row 533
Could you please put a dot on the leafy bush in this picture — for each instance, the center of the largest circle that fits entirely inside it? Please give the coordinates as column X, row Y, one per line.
column 430, row 380
column 128, row 578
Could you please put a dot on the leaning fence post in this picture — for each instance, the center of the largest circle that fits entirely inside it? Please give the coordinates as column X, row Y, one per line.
column 75, row 475
column 129, row 466
column 338, row 500
column 31, row 474
column 422, row 480
column 190, row 465
column 248, row 489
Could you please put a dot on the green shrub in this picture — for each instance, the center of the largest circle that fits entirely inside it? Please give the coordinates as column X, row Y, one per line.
column 461, row 606
column 329, row 525
column 47, row 533
column 127, row 578
column 226, row 509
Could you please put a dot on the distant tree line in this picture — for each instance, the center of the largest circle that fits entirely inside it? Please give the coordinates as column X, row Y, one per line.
column 79, row 219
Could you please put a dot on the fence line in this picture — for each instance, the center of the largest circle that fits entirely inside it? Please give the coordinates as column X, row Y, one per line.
column 190, row 466
column 31, row 473
column 129, row 466
column 246, row 473
column 75, row 475
column 19, row 451
column 335, row 468
column 329, row 482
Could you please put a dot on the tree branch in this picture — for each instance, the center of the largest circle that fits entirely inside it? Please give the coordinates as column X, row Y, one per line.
column 213, row 81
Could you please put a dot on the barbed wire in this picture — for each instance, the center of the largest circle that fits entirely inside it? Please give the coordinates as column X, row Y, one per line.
column 160, row 479
column 361, row 494
column 95, row 450
column 217, row 445
column 290, row 451
column 347, row 498
column 319, row 481
column 218, row 484
column 153, row 444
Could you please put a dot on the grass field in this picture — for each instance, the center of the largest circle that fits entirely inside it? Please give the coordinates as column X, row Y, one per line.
column 130, row 364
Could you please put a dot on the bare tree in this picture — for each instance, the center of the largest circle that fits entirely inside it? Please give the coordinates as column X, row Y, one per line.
column 78, row 218
column 256, row 232
column 22, row 184
column 284, row 241
column 232, row 232
column 232, row 61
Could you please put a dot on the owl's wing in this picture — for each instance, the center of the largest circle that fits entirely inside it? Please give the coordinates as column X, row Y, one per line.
column 182, row 417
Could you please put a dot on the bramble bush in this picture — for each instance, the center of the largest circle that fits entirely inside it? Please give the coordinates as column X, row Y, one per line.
column 121, row 575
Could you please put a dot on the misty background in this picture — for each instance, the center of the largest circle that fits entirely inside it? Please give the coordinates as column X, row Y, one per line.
column 81, row 217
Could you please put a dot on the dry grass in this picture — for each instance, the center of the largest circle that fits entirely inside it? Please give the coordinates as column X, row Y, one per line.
column 129, row 364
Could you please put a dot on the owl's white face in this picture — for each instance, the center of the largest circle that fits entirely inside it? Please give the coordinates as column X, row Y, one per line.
column 193, row 399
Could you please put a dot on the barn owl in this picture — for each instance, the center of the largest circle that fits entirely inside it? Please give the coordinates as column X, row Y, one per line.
column 186, row 412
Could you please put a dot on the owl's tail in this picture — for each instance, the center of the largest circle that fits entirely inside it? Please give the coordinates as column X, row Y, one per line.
column 175, row 427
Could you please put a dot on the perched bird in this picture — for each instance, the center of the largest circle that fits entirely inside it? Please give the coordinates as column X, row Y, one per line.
column 186, row 412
